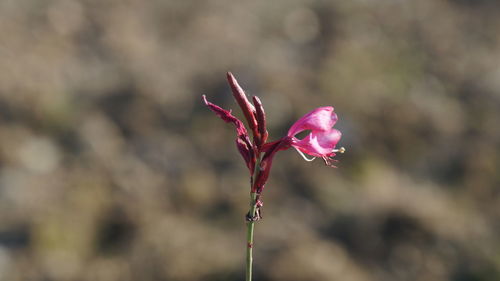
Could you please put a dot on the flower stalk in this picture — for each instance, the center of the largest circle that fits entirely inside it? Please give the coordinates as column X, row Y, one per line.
column 250, row 229
column 251, row 218
column 259, row 154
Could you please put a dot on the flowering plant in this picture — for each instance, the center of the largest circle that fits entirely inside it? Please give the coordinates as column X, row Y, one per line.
column 258, row 153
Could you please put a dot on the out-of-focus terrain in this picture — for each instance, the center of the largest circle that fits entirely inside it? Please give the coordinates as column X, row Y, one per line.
column 112, row 169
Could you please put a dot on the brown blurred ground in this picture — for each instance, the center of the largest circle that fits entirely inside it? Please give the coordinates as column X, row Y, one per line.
column 111, row 168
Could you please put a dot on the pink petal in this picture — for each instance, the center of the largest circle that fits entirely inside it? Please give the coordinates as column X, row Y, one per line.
column 226, row 116
column 267, row 162
column 320, row 119
column 243, row 142
column 319, row 143
column 240, row 97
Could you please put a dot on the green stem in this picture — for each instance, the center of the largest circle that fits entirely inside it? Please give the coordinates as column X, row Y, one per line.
column 250, row 228
column 251, row 224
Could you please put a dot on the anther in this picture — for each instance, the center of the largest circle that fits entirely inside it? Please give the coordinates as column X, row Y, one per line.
column 340, row 150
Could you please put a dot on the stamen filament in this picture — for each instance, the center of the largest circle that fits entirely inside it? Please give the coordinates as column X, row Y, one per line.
column 304, row 156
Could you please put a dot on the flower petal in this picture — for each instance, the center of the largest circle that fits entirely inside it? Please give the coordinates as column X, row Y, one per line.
column 243, row 142
column 320, row 119
column 319, row 143
column 267, row 162
column 246, row 107
column 226, row 116
column 260, row 116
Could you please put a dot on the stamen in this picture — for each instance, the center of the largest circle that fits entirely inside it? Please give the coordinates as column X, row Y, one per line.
column 340, row 150
column 304, row 156
column 328, row 161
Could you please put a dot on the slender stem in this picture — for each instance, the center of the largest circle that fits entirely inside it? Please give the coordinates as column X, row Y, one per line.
column 251, row 224
column 250, row 228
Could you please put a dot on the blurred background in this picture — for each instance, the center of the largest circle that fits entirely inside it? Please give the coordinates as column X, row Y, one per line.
column 112, row 169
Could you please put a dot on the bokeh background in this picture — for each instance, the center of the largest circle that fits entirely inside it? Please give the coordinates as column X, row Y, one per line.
column 112, row 169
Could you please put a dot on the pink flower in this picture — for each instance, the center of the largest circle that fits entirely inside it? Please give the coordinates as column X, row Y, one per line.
column 322, row 139
column 320, row 142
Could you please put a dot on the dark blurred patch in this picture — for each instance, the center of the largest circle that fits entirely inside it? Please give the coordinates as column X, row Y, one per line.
column 220, row 210
column 476, row 3
column 261, row 273
column 15, row 237
column 115, row 232
column 399, row 227
column 7, row 113
column 353, row 233
column 475, row 272
column 373, row 238
column 69, row 141
column 12, row 113
column 228, row 276
column 449, row 170
column 117, row 105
